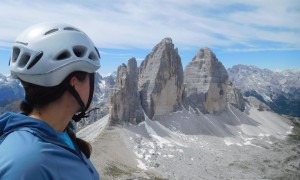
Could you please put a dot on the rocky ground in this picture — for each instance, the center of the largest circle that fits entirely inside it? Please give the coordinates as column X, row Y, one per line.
column 114, row 160
column 171, row 149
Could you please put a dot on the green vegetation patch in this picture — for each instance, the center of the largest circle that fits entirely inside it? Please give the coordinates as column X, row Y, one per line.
column 295, row 136
column 114, row 171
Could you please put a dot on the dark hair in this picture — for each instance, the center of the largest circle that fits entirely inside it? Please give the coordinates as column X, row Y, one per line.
column 40, row 96
column 84, row 146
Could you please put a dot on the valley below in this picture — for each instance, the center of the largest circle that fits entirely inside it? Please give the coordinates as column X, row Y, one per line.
column 191, row 145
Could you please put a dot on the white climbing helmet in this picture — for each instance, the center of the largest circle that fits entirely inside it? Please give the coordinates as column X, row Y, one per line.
column 45, row 54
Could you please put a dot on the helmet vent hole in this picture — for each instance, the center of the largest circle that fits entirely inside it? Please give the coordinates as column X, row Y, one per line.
column 63, row 55
column 93, row 56
column 37, row 57
column 79, row 51
column 51, row 31
column 71, row 29
column 24, row 60
column 97, row 52
column 16, row 53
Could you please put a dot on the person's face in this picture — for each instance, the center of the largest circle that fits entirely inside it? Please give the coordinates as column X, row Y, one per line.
column 83, row 89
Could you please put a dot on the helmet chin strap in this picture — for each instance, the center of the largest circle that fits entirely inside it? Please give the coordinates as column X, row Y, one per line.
column 82, row 114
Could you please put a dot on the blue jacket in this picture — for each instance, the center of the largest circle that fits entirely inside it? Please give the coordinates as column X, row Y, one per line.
column 31, row 149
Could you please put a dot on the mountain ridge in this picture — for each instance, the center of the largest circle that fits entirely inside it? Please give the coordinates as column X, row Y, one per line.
column 279, row 90
column 12, row 91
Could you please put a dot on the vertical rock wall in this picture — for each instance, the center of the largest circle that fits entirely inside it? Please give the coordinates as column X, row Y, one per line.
column 160, row 86
column 206, row 82
column 160, row 80
column 235, row 97
column 125, row 105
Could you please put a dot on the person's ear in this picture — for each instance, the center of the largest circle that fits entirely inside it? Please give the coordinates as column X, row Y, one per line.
column 73, row 81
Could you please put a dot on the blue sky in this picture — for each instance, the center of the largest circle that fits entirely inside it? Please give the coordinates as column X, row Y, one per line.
column 261, row 33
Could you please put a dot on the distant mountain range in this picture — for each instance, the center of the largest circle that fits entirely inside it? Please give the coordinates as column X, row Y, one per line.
column 279, row 90
column 11, row 91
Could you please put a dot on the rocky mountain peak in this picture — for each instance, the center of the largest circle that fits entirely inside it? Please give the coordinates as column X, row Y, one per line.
column 167, row 41
column 206, row 82
column 159, row 86
column 125, row 105
column 205, row 54
column 160, row 80
column 122, row 77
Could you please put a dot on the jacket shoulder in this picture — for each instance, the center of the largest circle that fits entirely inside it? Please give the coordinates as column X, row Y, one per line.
column 24, row 158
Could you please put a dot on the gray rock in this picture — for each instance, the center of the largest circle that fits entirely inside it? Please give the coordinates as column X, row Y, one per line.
column 118, row 99
column 136, row 112
column 235, row 97
column 160, row 80
column 254, row 102
column 205, row 81
column 125, row 104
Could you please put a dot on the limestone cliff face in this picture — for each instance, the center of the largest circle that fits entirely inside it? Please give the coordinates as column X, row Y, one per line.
column 206, row 82
column 125, row 105
column 160, row 86
column 160, row 80
column 235, row 97
column 136, row 112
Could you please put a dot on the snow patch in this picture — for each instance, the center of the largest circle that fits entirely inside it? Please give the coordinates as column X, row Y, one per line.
column 228, row 143
column 249, row 143
column 141, row 165
column 290, row 130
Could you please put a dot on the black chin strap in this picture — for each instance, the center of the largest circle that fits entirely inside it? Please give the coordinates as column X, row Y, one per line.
column 82, row 114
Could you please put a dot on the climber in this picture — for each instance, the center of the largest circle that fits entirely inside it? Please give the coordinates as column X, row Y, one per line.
column 55, row 63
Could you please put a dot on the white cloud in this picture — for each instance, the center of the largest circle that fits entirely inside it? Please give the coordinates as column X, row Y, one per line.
column 258, row 49
column 142, row 24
